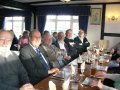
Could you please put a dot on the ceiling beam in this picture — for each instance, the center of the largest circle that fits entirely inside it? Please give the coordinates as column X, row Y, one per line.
column 74, row 3
column 10, row 4
column 35, row 2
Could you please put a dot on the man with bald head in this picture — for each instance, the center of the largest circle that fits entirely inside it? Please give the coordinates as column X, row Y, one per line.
column 13, row 76
column 37, row 66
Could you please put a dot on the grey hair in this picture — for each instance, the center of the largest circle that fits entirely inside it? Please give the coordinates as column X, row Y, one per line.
column 9, row 31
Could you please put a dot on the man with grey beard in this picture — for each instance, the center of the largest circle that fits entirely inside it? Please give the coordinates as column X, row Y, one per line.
column 13, row 75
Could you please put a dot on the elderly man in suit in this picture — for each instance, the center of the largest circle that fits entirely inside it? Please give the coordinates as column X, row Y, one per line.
column 56, row 56
column 37, row 66
column 81, row 42
column 61, row 44
column 13, row 76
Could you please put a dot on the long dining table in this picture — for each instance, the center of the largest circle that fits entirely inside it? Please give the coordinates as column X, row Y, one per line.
column 75, row 83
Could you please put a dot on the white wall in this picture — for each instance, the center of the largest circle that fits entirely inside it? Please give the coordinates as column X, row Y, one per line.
column 112, row 26
column 94, row 31
column 112, row 40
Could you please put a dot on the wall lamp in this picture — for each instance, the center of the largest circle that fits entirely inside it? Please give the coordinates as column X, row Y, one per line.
column 112, row 18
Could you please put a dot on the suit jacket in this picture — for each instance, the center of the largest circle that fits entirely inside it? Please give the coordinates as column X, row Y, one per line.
column 31, row 61
column 13, row 75
column 81, row 47
column 54, row 54
column 72, row 50
column 66, row 47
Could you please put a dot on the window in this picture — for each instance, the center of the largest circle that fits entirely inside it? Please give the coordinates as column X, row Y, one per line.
column 16, row 24
column 62, row 23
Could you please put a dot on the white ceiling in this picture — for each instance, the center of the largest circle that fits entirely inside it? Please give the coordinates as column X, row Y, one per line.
column 57, row 2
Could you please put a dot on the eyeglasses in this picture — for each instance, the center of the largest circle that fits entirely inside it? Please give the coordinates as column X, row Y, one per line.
column 5, row 39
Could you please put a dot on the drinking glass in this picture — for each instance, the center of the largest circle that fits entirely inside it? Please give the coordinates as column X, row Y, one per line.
column 93, row 70
column 82, row 68
column 82, row 71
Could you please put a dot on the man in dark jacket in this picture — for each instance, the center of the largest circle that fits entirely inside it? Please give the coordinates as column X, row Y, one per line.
column 81, row 42
column 36, row 64
column 13, row 75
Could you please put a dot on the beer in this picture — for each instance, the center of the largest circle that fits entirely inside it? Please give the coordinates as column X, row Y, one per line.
column 79, row 65
column 93, row 71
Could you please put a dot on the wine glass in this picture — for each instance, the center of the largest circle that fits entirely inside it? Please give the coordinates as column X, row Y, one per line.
column 82, row 68
column 82, row 71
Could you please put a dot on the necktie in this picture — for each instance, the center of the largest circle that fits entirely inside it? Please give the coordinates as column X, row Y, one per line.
column 42, row 59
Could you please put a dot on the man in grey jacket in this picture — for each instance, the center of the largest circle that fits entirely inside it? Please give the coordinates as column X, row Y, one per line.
column 13, row 75
column 57, row 57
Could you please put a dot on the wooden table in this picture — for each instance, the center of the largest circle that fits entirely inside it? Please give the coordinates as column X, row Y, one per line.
column 74, row 85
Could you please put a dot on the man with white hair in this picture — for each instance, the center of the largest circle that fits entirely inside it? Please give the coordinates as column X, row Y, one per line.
column 13, row 75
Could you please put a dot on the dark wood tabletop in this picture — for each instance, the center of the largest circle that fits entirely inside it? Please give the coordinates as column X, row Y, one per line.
column 75, row 83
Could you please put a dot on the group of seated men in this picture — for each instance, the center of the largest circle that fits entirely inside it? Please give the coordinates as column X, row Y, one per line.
column 37, row 60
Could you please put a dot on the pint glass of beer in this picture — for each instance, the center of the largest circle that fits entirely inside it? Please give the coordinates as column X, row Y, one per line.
column 93, row 69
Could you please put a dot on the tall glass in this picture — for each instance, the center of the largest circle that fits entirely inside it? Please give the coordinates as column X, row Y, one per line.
column 93, row 70
column 82, row 68
column 79, row 61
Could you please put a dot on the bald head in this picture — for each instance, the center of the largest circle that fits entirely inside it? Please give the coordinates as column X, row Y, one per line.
column 35, row 38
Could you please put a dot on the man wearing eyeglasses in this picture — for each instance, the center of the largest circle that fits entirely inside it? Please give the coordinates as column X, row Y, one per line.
column 36, row 64
column 12, row 73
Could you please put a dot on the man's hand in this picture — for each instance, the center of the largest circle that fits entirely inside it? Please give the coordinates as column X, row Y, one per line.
column 67, row 57
column 101, row 75
column 53, row 71
column 27, row 87
column 96, row 84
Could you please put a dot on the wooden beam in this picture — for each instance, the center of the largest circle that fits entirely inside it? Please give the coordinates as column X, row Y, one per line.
column 10, row 4
column 112, row 34
column 103, row 21
column 36, row 2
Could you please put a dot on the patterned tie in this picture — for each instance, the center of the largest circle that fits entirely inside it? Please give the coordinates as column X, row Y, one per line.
column 42, row 59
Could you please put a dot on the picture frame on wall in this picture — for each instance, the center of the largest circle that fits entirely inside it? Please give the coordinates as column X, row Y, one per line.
column 95, row 18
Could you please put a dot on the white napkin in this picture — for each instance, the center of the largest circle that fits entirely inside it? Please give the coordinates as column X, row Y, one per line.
column 103, row 68
column 66, row 83
column 72, row 70
column 97, row 51
column 71, row 43
column 101, row 59
column 52, row 86
column 83, row 65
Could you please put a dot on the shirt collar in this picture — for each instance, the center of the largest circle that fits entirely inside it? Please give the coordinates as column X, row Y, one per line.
column 33, row 46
